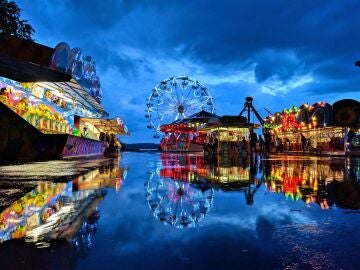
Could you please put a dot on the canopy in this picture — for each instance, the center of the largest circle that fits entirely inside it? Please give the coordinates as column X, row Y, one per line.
column 190, row 123
column 74, row 90
column 227, row 121
column 115, row 126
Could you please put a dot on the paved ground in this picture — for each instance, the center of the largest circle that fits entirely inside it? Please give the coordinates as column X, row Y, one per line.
column 15, row 180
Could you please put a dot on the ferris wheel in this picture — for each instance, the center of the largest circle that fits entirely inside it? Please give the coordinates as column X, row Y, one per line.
column 174, row 99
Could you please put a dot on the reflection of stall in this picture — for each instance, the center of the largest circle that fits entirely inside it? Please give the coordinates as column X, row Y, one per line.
column 43, row 90
column 57, row 210
column 106, row 176
column 224, row 173
column 39, row 211
column 183, row 167
column 315, row 181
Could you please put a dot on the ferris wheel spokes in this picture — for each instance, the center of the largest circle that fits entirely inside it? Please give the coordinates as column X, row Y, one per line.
column 176, row 98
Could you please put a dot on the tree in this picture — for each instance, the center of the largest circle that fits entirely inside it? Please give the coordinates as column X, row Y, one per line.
column 10, row 22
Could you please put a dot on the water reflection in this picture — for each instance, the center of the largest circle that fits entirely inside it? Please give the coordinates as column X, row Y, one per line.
column 176, row 202
column 234, row 174
column 61, row 210
column 173, row 196
column 325, row 182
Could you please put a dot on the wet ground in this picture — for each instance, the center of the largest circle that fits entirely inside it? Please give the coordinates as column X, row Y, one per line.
column 162, row 211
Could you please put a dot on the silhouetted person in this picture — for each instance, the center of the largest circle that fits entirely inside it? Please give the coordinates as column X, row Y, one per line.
column 102, row 136
column 303, row 142
column 261, row 144
column 253, row 141
column 278, row 145
column 84, row 133
column 267, row 138
column 243, row 147
column 350, row 136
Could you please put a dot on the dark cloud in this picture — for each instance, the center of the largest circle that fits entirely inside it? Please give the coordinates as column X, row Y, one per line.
column 136, row 44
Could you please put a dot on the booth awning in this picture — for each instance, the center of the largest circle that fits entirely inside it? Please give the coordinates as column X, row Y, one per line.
column 73, row 89
column 115, row 126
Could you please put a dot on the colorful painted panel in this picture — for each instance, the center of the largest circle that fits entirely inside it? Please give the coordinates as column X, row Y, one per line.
column 79, row 146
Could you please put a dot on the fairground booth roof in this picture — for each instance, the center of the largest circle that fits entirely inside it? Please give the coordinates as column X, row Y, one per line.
column 115, row 126
column 343, row 113
column 189, row 124
column 61, row 68
column 228, row 122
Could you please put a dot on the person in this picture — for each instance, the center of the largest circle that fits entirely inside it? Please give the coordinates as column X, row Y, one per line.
column 278, row 145
column 215, row 144
column 261, row 143
column 287, row 144
column 350, row 137
column 267, row 137
column 253, row 141
column 243, row 147
column 102, row 136
column 303, row 142
column 116, row 145
column 84, row 133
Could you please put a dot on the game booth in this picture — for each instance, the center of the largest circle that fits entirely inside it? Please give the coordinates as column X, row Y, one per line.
column 320, row 128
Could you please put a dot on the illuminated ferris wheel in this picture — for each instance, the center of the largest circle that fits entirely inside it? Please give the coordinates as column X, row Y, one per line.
column 176, row 98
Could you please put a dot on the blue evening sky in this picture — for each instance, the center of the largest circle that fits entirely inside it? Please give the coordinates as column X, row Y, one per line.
column 283, row 52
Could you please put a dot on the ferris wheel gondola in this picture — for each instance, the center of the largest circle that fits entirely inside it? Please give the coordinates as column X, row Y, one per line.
column 174, row 99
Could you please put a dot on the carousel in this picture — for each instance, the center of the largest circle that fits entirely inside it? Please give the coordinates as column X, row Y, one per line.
column 185, row 134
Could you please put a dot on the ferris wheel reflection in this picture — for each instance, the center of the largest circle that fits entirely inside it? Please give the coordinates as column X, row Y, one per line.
column 180, row 191
column 177, row 203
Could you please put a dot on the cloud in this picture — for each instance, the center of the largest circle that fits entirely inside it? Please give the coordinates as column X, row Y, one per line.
column 269, row 50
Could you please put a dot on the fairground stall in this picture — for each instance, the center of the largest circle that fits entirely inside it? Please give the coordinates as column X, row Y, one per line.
column 320, row 128
column 227, row 133
column 44, row 94
column 184, row 134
